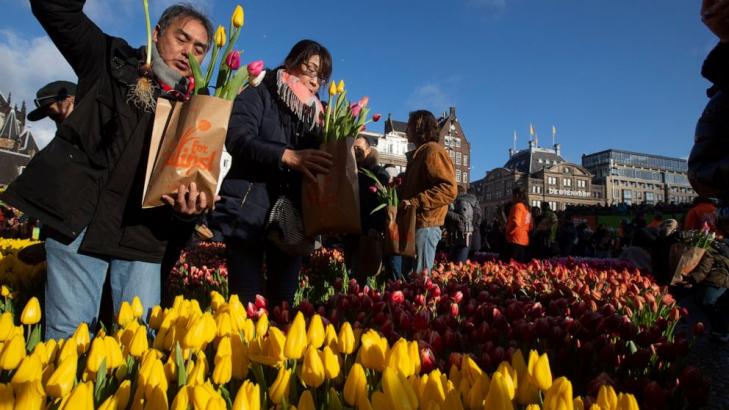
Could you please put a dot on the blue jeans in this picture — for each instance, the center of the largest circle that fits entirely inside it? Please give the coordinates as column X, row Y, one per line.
column 393, row 265
column 717, row 317
column 459, row 254
column 75, row 283
column 426, row 241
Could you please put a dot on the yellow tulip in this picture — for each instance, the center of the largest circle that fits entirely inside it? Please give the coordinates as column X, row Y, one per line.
column 262, row 325
column 559, row 396
column 97, row 354
column 201, row 395
column 239, row 356
column 373, row 351
column 355, row 385
column 331, row 362
column 62, row 380
column 248, row 397
column 306, row 401
column 312, row 370
column 315, row 333
column 82, row 397
column 223, row 370
column 539, row 371
column 332, row 89
column 330, row 338
column 453, row 401
column 498, row 396
column 113, row 353
column 533, row 407
column 414, row 351
column 137, row 307
column 606, row 397
column 30, row 369
column 30, row 395
column 335, row 403
column 182, row 399
column 194, row 334
column 340, row 87
column 123, row 393
column 139, row 343
column 126, row 314
column 4, row 291
column 626, row 401
column 109, row 404
column 82, row 338
column 470, row 369
column 157, row 400
column 197, row 375
column 248, row 329
column 526, row 392
column 224, row 349
column 345, row 340
column 13, row 353
column 379, row 401
column 477, row 392
column 220, row 38
column 238, row 17
column 224, row 324
column 296, row 338
column 398, row 357
column 7, row 327
column 31, row 312
column 433, row 391
column 510, row 378
column 578, row 403
column 396, row 392
column 7, row 399
column 280, row 387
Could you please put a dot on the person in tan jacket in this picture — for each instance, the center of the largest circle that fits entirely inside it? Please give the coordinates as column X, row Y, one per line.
column 429, row 186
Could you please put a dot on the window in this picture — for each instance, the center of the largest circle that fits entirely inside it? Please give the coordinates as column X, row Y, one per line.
column 465, row 160
column 452, row 154
column 553, row 206
column 628, row 196
column 536, row 189
column 465, row 177
column 458, row 143
column 537, row 203
column 566, row 182
column 581, row 183
column 458, row 158
column 552, row 180
column 650, row 197
column 458, row 175
column 566, row 170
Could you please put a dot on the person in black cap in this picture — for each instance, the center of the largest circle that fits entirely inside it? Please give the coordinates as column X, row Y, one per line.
column 54, row 100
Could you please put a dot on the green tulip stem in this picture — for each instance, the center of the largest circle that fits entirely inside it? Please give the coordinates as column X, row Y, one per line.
column 149, row 32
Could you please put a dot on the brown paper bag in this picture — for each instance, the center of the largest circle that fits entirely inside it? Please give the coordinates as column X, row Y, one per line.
column 406, row 227
column 683, row 259
column 331, row 205
column 392, row 232
column 186, row 146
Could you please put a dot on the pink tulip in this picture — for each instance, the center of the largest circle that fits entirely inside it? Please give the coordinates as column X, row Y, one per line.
column 363, row 102
column 373, row 189
column 255, row 68
column 356, row 108
column 233, row 60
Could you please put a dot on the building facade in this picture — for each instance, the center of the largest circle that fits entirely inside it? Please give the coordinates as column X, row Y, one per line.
column 636, row 178
column 455, row 142
column 17, row 145
column 544, row 175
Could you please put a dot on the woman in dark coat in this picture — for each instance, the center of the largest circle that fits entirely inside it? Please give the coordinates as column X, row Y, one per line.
column 271, row 142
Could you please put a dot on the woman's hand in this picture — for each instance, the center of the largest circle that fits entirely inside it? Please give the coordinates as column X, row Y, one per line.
column 405, row 203
column 308, row 161
column 189, row 200
column 715, row 14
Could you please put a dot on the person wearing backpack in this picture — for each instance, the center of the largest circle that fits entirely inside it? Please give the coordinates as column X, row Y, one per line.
column 464, row 216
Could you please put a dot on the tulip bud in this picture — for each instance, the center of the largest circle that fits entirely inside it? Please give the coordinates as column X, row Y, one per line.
column 280, row 387
column 262, row 325
column 296, row 338
column 125, row 315
column 606, row 397
column 238, row 17
column 345, row 340
column 355, row 385
column 248, row 397
column 331, row 363
column 7, row 327
column 30, row 370
column 139, row 343
column 97, row 354
column 315, row 334
column 332, row 89
column 312, row 371
column 306, row 401
column 340, row 87
column 376, row 117
column 220, row 38
column 223, row 370
column 4, row 291
column 82, row 397
column 559, row 396
column 13, row 353
column 539, row 371
column 137, row 307
column 31, row 312
column 7, row 399
column 30, row 395
column 232, row 60
column 255, row 68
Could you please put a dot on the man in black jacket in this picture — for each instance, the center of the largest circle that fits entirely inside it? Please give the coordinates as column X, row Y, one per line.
column 86, row 185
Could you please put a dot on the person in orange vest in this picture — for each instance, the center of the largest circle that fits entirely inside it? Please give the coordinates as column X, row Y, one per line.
column 518, row 226
column 702, row 211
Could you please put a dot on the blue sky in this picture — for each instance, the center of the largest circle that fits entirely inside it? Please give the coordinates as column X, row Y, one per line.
column 609, row 74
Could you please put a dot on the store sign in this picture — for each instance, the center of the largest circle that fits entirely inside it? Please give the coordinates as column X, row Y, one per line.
column 568, row 192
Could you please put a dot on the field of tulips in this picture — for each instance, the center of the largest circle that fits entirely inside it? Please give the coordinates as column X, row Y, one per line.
column 222, row 358
column 600, row 323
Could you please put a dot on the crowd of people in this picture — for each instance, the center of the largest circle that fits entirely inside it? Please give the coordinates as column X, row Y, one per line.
column 86, row 186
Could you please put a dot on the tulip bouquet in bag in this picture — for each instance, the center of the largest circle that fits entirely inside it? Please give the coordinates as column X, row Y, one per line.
column 400, row 231
column 331, row 203
column 188, row 138
column 686, row 255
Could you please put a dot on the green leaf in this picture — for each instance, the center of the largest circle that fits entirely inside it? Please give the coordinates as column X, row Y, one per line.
column 181, row 370
column 35, row 337
column 380, row 206
column 100, row 381
column 231, row 90
column 226, row 396
column 632, row 347
column 196, row 73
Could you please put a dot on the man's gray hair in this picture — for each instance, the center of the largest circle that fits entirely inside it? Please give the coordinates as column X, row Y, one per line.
column 185, row 10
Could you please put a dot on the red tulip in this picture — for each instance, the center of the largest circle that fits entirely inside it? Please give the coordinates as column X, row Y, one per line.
column 376, row 117
column 255, row 68
column 397, row 297
column 232, row 60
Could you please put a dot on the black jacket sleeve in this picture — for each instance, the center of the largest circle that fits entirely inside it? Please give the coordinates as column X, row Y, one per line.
column 716, row 66
column 78, row 39
column 244, row 140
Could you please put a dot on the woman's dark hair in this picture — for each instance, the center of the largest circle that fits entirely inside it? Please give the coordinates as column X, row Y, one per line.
column 519, row 195
column 424, row 125
column 305, row 49
column 184, row 10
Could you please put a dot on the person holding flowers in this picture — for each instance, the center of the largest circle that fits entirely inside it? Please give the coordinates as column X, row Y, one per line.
column 269, row 138
column 87, row 184
column 429, row 186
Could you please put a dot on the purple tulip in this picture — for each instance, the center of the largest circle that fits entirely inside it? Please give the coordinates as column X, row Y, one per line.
column 233, row 60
